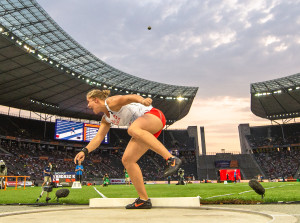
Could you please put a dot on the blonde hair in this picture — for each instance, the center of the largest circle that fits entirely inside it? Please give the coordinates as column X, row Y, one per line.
column 96, row 93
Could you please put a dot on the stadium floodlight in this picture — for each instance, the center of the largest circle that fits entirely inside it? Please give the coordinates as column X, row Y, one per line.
column 1, row 29
column 47, row 104
column 19, row 42
column 180, row 98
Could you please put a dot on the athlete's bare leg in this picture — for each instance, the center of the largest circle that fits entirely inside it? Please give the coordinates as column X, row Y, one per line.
column 132, row 154
column 143, row 129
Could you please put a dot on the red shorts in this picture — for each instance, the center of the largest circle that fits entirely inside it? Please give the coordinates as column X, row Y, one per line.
column 161, row 116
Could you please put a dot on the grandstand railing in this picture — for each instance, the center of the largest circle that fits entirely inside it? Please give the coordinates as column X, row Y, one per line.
column 16, row 185
column 217, row 153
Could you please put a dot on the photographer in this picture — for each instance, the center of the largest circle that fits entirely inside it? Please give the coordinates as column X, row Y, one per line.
column 3, row 172
column 105, row 180
column 48, row 181
column 47, row 174
column 181, row 177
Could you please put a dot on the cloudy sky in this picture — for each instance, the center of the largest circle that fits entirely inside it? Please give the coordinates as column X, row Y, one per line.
column 220, row 46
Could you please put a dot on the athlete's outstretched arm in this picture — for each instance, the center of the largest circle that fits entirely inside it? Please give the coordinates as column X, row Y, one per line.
column 116, row 102
column 95, row 142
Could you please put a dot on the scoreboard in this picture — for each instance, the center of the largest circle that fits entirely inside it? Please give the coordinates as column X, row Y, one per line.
column 90, row 130
column 77, row 131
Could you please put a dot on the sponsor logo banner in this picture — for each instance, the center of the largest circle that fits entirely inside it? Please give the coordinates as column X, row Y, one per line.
column 117, row 181
column 63, row 177
column 20, row 183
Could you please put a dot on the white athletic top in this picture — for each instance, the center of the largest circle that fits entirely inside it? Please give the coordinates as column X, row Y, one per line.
column 127, row 114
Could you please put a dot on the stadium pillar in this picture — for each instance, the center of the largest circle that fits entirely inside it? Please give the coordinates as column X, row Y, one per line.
column 244, row 129
column 193, row 132
column 203, row 145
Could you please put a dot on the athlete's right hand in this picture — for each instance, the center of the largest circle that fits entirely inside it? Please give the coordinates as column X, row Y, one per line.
column 146, row 101
column 79, row 157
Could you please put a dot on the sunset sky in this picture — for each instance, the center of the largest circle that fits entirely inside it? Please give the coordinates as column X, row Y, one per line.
column 219, row 46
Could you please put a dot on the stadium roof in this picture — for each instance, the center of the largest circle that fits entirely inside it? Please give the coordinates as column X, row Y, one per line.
column 45, row 70
column 277, row 99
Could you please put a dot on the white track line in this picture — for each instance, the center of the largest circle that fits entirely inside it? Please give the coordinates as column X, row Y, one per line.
column 219, row 196
column 246, row 191
column 102, row 195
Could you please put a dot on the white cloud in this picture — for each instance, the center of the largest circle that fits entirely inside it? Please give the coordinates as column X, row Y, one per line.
column 270, row 40
column 281, row 47
column 266, row 19
column 170, row 11
column 221, row 38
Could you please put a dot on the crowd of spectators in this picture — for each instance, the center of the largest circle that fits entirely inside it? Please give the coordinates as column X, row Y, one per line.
column 274, row 135
column 25, row 157
column 279, row 162
column 261, row 141
column 30, row 159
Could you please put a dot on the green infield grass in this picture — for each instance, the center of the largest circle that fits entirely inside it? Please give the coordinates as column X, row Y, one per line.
column 210, row 193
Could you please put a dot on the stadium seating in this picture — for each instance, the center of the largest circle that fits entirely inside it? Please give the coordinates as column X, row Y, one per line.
column 276, row 149
column 27, row 149
column 279, row 163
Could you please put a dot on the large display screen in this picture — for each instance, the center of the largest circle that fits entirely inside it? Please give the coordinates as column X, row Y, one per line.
column 68, row 130
column 90, row 130
column 77, row 131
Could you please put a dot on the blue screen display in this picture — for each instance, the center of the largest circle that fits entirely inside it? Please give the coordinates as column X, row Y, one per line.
column 77, row 131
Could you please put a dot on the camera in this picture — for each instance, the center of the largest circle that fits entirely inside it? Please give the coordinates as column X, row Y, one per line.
column 53, row 168
column 180, row 172
column 48, row 188
column 2, row 167
column 181, row 177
